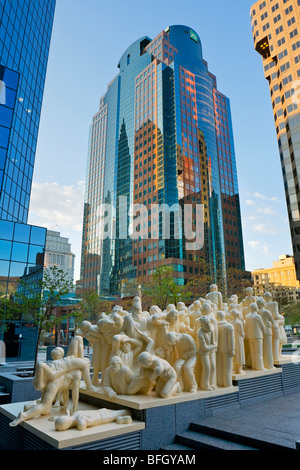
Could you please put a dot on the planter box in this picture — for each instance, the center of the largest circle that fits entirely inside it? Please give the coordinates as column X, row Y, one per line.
column 19, row 385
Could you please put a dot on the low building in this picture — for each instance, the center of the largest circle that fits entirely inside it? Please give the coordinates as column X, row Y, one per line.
column 58, row 253
column 281, row 278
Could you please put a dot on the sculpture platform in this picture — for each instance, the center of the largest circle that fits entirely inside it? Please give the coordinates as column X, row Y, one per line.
column 43, row 428
column 156, row 421
column 251, row 374
column 143, row 402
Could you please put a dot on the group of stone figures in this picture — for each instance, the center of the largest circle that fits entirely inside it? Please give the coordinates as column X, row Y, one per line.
column 179, row 349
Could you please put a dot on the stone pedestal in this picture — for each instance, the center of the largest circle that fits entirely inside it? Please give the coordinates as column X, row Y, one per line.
column 156, row 420
column 40, row 433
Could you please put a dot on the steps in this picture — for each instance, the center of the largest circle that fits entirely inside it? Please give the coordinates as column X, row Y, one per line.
column 194, row 440
column 206, row 437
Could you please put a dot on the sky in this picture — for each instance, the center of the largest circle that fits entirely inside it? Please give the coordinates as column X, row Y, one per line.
column 88, row 39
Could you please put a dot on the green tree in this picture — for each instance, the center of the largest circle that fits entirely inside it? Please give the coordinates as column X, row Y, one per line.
column 235, row 282
column 163, row 288
column 291, row 312
column 38, row 298
column 91, row 305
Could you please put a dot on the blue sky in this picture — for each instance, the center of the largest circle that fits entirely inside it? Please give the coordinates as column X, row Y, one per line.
column 89, row 37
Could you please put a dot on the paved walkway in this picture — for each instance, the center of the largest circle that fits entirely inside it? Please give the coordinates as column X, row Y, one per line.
column 276, row 421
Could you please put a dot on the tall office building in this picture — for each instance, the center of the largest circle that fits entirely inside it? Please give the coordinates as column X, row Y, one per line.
column 58, row 253
column 25, row 32
column 276, row 34
column 161, row 145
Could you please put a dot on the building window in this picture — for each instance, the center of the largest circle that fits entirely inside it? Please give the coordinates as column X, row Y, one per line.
column 281, row 41
column 291, row 21
column 296, row 45
column 293, row 33
column 277, row 18
column 279, row 30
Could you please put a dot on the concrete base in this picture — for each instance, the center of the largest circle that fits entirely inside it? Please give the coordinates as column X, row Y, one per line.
column 143, row 402
column 43, row 428
column 251, row 374
column 157, row 421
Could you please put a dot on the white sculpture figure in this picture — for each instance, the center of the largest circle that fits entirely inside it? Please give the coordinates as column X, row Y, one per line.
column 225, row 351
column 60, row 375
column 248, row 300
column 92, row 334
column 183, row 321
column 215, row 296
column 282, row 333
column 186, row 361
column 165, row 321
column 194, row 312
column 231, row 306
column 127, row 348
column 136, row 318
column 207, row 310
column 108, row 326
column 119, row 309
column 239, row 335
column 154, row 309
column 89, row 418
column 278, row 332
column 155, row 369
column 233, row 299
column 205, row 346
column 76, row 347
column 254, row 331
column 117, row 377
column 267, row 341
column 181, row 306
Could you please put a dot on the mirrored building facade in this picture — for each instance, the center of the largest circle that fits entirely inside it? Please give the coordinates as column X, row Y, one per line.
column 276, row 35
column 25, row 33
column 161, row 170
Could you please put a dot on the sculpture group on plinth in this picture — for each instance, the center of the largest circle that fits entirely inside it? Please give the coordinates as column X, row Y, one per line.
column 161, row 352
column 184, row 349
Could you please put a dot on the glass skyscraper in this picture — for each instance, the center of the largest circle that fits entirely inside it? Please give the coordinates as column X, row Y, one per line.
column 162, row 138
column 25, row 32
column 276, row 35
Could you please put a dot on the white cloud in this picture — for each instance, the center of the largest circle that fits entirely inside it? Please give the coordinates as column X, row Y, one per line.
column 263, row 196
column 266, row 210
column 254, row 244
column 259, row 246
column 59, row 208
column 265, row 228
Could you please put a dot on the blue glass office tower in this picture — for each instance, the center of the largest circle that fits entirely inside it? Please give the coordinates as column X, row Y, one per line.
column 25, row 33
column 162, row 137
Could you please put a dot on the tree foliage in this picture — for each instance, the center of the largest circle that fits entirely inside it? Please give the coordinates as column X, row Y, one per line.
column 163, row 289
column 91, row 305
column 291, row 313
column 39, row 296
column 235, row 281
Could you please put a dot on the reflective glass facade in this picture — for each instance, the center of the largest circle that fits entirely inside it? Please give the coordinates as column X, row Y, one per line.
column 25, row 33
column 276, row 35
column 162, row 137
